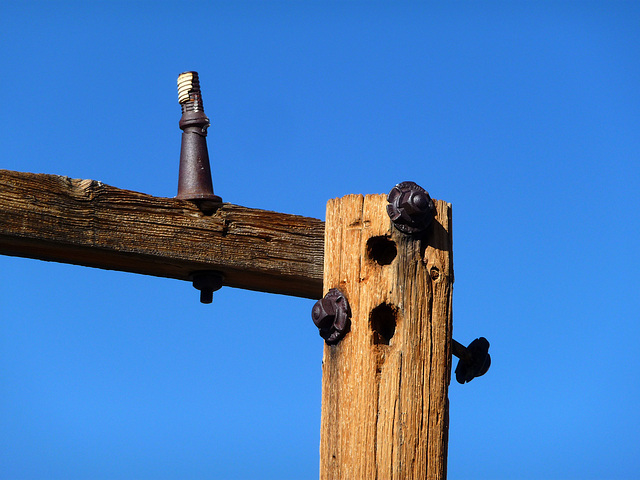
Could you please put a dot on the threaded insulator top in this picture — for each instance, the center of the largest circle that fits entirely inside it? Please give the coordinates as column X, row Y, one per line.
column 189, row 92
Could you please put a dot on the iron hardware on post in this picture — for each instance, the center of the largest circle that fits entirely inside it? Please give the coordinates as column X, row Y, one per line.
column 332, row 316
column 412, row 211
column 410, row 208
column 474, row 359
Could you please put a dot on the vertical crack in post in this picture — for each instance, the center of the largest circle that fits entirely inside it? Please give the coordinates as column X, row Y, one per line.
column 397, row 404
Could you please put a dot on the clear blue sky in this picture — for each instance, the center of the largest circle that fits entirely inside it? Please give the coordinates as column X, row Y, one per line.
column 524, row 115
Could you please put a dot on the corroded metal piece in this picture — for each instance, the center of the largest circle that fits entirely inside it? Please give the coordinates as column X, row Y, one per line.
column 194, row 180
column 332, row 316
column 410, row 208
column 207, row 282
column 474, row 359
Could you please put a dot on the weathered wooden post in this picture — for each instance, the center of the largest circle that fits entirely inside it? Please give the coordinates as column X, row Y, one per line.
column 384, row 388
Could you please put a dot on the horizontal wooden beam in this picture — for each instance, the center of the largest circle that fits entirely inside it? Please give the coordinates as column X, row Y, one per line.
column 85, row 222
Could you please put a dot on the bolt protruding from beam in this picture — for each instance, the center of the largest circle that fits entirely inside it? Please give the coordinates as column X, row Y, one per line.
column 474, row 359
column 207, row 282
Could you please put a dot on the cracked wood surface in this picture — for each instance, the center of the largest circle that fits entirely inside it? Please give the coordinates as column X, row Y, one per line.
column 385, row 386
column 85, row 222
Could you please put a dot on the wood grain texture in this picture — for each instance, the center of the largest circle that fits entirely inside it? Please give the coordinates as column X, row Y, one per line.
column 88, row 223
column 385, row 400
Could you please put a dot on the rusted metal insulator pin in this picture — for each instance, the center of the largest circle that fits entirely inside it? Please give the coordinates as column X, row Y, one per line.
column 332, row 316
column 474, row 359
column 194, row 180
column 410, row 208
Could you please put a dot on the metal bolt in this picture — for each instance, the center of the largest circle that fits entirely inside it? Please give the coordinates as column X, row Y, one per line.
column 207, row 282
column 410, row 208
column 332, row 316
column 194, row 180
column 474, row 359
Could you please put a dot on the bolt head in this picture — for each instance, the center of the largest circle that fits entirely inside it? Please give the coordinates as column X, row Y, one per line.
column 416, row 204
column 478, row 361
column 207, row 282
column 410, row 208
column 321, row 317
column 331, row 315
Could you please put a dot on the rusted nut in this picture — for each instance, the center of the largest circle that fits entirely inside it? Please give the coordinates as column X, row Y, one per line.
column 207, row 282
column 474, row 359
column 410, row 208
column 332, row 316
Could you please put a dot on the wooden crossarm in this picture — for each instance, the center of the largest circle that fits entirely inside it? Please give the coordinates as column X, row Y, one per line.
column 85, row 222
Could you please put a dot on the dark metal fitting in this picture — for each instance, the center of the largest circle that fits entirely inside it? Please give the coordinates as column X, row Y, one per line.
column 474, row 359
column 410, row 208
column 194, row 179
column 332, row 316
column 207, row 282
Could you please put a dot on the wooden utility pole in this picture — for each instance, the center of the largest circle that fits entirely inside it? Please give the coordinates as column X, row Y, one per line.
column 384, row 386
column 384, row 391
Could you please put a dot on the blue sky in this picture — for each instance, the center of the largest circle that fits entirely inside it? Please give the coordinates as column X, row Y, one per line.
column 524, row 115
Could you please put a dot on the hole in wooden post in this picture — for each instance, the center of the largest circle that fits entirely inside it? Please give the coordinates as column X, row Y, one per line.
column 381, row 250
column 434, row 273
column 382, row 321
